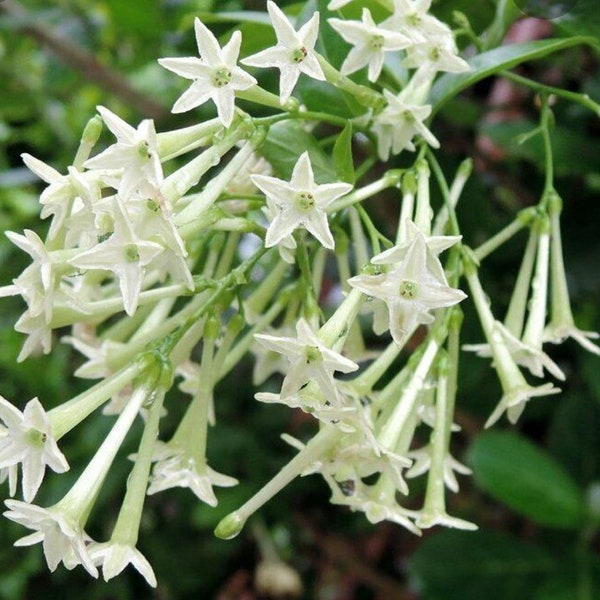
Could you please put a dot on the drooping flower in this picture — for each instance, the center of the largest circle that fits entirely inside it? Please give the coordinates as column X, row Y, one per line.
column 369, row 42
column 293, row 54
column 175, row 467
column 300, row 202
column 215, row 74
column 63, row 540
column 398, row 123
column 114, row 557
column 123, row 254
column 135, row 152
column 28, row 439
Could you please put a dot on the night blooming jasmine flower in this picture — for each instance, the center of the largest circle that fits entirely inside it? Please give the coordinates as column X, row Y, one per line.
column 177, row 468
column 135, row 152
column 411, row 17
column 28, row 440
column 422, row 464
column 410, row 289
column 398, row 123
column 36, row 283
column 523, row 354
column 62, row 538
column 369, row 43
column 56, row 198
column 300, row 202
column 123, row 254
column 293, row 54
column 310, row 360
column 215, row 74
column 114, row 557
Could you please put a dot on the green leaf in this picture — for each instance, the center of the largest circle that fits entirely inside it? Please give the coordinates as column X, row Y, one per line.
column 342, row 155
column 286, row 141
column 498, row 60
column 531, row 482
column 583, row 19
column 453, row 565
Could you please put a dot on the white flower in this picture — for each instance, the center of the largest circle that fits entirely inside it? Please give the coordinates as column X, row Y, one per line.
column 398, row 123
column 369, row 43
column 440, row 517
column 215, row 74
column 175, row 468
column 411, row 18
column 310, row 360
column 437, row 54
column 36, row 283
column 28, row 440
column 513, row 401
column 287, row 245
column 301, row 202
column 411, row 289
column 422, row 464
column 123, row 254
column 63, row 540
column 293, row 54
column 114, row 557
column 56, row 198
column 267, row 362
column 523, row 354
column 557, row 333
column 135, row 152
column 358, row 496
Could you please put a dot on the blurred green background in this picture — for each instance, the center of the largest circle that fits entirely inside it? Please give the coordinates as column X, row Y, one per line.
column 534, row 483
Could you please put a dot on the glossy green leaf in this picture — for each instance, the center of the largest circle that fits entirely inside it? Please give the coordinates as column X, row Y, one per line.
column 342, row 155
column 531, row 482
column 498, row 60
column 453, row 565
column 286, row 141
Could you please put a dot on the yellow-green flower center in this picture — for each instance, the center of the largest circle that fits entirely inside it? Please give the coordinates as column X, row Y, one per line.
column 299, row 54
column 131, row 253
column 37, row 438
column 305, row 200
column 408, row 289
column 221, row 77
column 434, row 53
column 376, row 41
column 143, row 150
column 313, row 354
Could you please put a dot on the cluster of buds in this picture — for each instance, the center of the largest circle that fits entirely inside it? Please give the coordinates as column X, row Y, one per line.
column 166, row 272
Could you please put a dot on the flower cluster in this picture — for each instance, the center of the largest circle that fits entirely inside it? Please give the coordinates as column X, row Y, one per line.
column 173, row 255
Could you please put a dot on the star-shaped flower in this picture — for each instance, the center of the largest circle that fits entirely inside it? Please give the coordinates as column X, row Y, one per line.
column 398, row 123
column 523, row 354
column 123, row 254
column 300, row 202
column 114, row 557
column 369, row 41
column 293, row 54
column 309, row 360
column 215, row 74
column 28, row 439
column 175, row 468
column 411, row 289
column 135, row 152
column 63, row 539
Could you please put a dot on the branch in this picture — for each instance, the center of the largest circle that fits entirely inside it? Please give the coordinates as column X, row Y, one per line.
column 80, row 60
